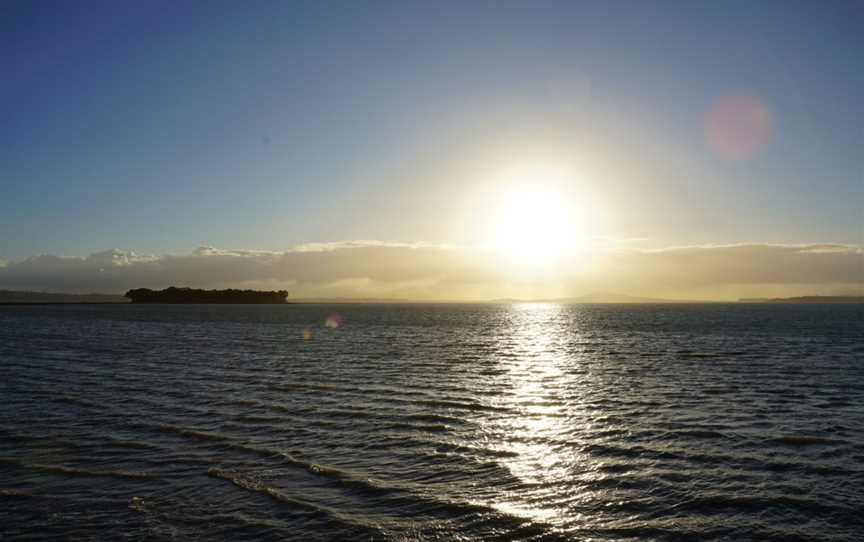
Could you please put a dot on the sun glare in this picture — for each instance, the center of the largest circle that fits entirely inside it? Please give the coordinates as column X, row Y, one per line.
column 533, row 224
column 537, row 222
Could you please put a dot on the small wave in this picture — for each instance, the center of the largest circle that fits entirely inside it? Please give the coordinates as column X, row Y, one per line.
column 608, row 450
column 719, row 390
column 806, row 468
column 77, row 401
column 616, row 468
column 74, row 471
column 193, row 433
column 133, row 444
column 258, row 418
column 78, row 471
column 480, row 514
column 310, row 507
column 695, row 434
column 402, row 426
column 460, row 405
column 433, row 418
column 835, row 404
column 303, row 386
column 458, row 449
column 713, row 504
column 699, row 354
column 802, row 440
column 20, row 493
column 241, row 402
column 259, row 487
column 288, row 459
column 11, row 436
column 396, row 494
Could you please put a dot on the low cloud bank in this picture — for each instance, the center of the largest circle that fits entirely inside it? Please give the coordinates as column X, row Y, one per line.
column 374, row 269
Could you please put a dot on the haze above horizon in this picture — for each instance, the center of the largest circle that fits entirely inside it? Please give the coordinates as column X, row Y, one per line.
column 418, row 150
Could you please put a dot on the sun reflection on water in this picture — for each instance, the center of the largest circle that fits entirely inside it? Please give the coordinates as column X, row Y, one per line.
column 533, row 355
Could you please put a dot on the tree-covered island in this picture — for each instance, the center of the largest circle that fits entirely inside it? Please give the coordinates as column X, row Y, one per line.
column 191, row 295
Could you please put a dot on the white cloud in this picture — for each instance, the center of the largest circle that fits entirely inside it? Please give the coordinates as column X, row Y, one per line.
column 420, row 271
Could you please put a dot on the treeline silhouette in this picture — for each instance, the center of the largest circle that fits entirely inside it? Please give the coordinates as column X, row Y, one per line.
column 191, row 295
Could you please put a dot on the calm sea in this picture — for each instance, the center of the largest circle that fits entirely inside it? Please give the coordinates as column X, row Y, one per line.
column 432, row 422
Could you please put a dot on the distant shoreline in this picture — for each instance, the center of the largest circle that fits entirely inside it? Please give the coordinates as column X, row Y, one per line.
column 806, row 300
column 20, row 303
column 427, row 302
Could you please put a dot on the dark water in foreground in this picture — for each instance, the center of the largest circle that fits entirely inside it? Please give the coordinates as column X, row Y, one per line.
column 458, row 422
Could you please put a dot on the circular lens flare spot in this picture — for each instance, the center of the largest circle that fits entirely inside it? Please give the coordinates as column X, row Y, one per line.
column 333, row 321
column 738, row 127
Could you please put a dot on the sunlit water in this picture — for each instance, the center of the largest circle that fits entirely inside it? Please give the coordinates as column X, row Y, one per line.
column 425, row 422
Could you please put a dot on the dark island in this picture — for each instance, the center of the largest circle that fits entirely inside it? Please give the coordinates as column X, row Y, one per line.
column 191, row 295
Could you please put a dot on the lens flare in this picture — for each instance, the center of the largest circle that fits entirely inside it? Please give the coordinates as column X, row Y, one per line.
column 738, row 127
column 333, row 321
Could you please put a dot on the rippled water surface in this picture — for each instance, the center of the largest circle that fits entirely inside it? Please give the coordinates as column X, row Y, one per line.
column 432, row 422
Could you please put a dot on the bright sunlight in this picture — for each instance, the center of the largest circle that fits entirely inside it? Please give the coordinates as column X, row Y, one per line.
column 537, row 222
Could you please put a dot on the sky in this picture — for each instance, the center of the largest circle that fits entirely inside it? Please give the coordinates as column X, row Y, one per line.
column 136, row 133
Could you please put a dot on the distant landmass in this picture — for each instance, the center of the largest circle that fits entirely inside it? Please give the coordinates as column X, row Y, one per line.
column 806, row 299
column 599, row 298
column 191, row 295
column 16, row 297
column 602, row 298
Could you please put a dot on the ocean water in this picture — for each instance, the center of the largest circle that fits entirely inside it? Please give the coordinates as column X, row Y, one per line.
column 432, row 422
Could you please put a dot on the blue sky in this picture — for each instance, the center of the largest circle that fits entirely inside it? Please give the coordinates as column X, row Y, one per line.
column 162, row 126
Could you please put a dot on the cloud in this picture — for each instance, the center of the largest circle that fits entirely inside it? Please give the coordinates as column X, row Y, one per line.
column 744, row 270
column 419, row 271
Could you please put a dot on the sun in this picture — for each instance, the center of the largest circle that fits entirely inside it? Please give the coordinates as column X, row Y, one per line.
column 536, row 222
column 532, row 224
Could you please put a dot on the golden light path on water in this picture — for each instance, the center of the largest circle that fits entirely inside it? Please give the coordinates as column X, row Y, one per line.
column 533, row 355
